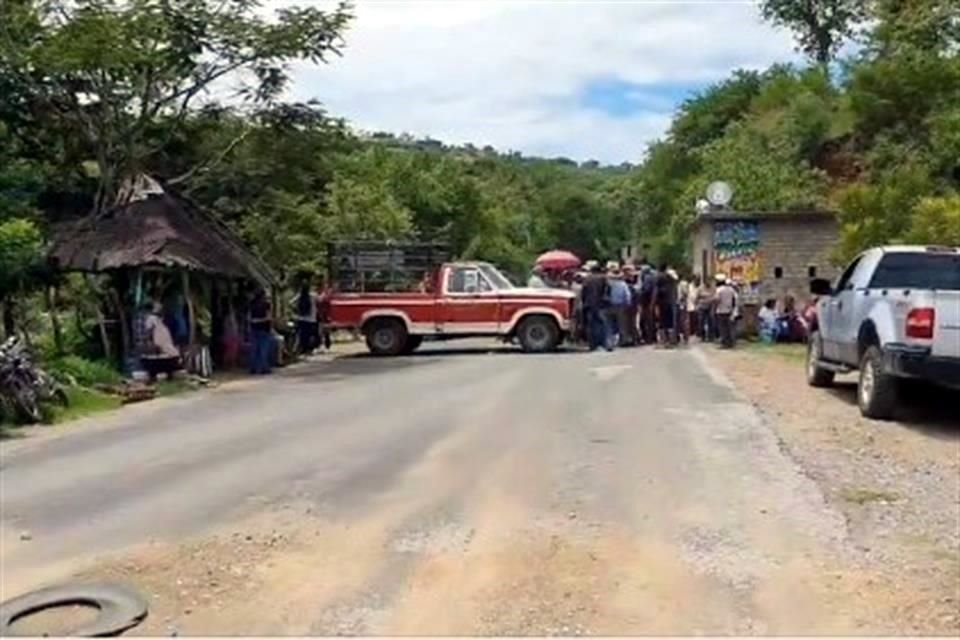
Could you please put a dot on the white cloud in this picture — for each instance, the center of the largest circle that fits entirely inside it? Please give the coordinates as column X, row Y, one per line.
column 511, row 72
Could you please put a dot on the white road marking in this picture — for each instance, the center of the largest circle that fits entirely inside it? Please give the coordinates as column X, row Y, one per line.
column 610, row 372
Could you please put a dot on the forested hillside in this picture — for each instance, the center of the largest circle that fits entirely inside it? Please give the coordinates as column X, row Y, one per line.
column 95, row 90
column 874, row 136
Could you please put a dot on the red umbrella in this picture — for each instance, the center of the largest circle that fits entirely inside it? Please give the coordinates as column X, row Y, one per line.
column 558, row 261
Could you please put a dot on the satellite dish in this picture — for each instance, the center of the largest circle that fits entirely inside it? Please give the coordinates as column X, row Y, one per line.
column 719, row 194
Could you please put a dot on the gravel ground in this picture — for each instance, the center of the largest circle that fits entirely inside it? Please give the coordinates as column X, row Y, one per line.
column 896, row 483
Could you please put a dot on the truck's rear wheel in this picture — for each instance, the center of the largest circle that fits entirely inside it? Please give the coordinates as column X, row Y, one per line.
column 386, row 336
column 538, row 334
column 817, row 376
column 876, row 390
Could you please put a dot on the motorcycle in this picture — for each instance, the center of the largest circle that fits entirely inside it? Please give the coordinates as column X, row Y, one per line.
column 23, row 386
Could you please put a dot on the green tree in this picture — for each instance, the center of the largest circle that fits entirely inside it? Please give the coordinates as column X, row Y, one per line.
column 936, row 221
column 110, row 69
column 819, row 26
column 706, row 116
column 875, row 214
column 20, row 254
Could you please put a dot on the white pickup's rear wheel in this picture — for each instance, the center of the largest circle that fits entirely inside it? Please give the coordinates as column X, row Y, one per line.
column 877, row 390
column 538, row 334
column 817, row 376
column 386, row 336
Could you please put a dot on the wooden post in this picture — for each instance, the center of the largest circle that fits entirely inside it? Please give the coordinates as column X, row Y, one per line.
column 191, row 319
column 51, row 297
column 122, row 319
column 101, row 321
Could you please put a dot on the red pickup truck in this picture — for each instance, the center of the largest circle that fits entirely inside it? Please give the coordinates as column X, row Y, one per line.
column 456, row 300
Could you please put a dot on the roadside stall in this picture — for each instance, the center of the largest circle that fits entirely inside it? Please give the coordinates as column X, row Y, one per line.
column 173, row 281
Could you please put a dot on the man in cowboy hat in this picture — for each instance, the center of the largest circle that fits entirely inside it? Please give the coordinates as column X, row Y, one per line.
column 620, row 299
column 595, row 297
column 726, row 303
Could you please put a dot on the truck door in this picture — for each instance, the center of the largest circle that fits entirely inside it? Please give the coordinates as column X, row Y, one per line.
column 838, row 310
column 469, row 304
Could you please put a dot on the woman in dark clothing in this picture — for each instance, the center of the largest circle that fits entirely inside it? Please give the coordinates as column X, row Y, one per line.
column 261, row 333
column 305, row 306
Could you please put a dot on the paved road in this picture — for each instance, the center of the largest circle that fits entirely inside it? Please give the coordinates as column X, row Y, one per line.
column 469, row 491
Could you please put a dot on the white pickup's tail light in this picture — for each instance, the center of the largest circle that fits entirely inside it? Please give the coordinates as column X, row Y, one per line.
column 920, row 322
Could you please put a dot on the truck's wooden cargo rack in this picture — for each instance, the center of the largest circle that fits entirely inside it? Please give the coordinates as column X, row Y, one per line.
column 367, row 266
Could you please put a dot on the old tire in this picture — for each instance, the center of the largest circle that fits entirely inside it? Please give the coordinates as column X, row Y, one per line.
column 538, row 334
column 876, row 390
column 120, row 608
column 412, row 344
column 817, row 376
column 386, row 336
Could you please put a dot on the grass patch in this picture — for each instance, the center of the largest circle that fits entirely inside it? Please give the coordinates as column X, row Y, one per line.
column 83, row 372
column 787, row 351
column 866, row 496
column 84, row 402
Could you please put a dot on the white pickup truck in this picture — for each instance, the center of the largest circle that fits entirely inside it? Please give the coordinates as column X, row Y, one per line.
column 894, row 314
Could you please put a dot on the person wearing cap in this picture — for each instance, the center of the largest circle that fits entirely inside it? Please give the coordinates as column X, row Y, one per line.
column 595, row 298
column 620, row 299
column 726, row 301
column 648, row 290
column 706, row 327
column 667, row 305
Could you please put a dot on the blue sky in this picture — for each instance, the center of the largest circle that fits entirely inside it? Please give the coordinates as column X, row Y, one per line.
column 586, row 79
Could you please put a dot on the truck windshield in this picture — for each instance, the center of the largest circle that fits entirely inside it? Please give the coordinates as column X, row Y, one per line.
column 918, row 271
column 499, row 280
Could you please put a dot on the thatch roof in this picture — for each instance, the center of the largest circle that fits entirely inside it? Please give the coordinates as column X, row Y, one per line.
column 159, row 229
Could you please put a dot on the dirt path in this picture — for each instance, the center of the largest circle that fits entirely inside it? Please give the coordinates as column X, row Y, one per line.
column 633, row 493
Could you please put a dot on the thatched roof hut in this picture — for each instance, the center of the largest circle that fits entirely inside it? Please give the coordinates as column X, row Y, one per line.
column 155, row 229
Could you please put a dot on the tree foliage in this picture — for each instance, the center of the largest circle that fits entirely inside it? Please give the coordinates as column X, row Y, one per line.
column 98, row 89
column 819, row 26
column 110, row 69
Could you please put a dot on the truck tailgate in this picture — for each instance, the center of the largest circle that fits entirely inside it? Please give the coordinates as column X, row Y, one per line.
column 946, row 335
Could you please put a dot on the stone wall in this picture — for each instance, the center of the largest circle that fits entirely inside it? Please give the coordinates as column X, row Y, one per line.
column 792, row 244
column 796, row 250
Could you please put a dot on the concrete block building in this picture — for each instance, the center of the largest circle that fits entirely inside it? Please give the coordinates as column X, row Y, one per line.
column 771, row 254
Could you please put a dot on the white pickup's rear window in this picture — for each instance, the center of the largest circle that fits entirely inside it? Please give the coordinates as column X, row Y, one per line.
column 918, row 271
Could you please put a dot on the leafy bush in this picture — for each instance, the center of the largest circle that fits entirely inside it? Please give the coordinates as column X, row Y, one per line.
column 86, row 373
column 936, row 221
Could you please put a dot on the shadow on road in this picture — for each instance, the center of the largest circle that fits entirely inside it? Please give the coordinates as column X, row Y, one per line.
column 925, row 408
column 438, row 350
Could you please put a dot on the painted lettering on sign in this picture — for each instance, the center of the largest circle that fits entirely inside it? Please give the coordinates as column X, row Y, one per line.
column 736, row 250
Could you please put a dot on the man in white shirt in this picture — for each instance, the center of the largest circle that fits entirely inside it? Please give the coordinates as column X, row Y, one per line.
column 726, row 298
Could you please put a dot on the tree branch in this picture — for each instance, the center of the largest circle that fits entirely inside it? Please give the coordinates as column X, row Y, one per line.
column 205, row 166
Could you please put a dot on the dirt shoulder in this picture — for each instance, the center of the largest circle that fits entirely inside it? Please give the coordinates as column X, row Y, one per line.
column 897, row 483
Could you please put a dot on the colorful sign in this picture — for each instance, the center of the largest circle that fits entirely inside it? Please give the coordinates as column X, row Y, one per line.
column 736, row 250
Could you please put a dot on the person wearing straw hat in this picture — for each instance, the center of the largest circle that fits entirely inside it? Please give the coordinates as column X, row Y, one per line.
column 620, row 299
column 726, row 301
column 595, row 297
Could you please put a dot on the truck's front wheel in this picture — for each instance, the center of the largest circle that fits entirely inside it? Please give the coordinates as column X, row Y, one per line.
column 386, row 337
column 538, row 334
column 876, row 390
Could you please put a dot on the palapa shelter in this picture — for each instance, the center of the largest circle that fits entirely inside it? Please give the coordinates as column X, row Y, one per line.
column 154, row 236
column 156, row 229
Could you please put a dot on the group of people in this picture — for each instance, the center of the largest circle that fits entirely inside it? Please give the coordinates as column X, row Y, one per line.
column 788, row 324
column 635, row 305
